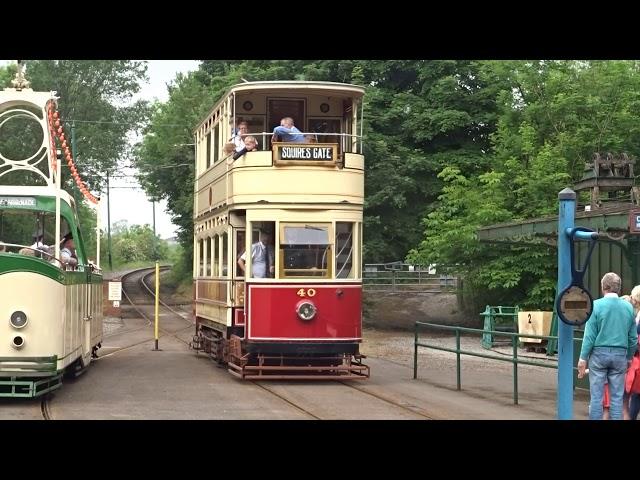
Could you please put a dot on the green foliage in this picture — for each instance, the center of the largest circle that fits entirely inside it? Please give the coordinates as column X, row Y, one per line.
column 133, row 244
column 450, row 146
column 7, row 73
column 98, row 94
column 553, row 115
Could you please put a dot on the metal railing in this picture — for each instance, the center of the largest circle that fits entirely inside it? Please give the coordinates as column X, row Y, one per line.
column 404, row 277
column 349, row 142
column 458, row 351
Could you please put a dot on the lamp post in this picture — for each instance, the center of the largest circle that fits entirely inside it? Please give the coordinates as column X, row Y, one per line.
column 109, row 224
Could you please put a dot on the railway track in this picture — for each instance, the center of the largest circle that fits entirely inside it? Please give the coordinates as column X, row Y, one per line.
column 138, row 293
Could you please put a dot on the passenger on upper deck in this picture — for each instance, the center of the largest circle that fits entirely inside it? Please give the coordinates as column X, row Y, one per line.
column 238, row 138
column 67, row 252
column 250, row 145
column 228, row 149
column 287, row 132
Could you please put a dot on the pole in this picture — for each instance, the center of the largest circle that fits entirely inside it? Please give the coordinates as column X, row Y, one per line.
column 74, row 155
column 109, row 224
column 157, row 301
column 155, row 243
column 566, row 219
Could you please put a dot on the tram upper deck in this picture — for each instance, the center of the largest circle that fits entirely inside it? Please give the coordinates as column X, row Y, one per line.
column 326, row 167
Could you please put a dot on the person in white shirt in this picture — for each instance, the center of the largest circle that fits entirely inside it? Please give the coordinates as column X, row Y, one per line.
column 38, row 244
column 238, row 138
column 262, row 257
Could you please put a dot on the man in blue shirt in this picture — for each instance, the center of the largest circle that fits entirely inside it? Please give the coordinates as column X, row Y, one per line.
column 287, row 132
column 609, row 342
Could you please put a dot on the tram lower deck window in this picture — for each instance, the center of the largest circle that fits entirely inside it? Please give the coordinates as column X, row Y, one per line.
column 305, row 251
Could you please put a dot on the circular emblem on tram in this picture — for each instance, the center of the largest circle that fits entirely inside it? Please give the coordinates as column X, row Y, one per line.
column 324, row 107
column 306, row 310
column 18, row 319
column 248, row 106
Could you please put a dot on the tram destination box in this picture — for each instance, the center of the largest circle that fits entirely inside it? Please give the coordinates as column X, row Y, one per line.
column 314, row 154
column 534, row 323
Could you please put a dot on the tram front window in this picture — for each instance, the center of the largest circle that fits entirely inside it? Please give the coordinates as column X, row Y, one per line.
column 305, row 250
column 27, row 232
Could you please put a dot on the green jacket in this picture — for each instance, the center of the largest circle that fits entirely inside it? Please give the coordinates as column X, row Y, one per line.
column 611, row 324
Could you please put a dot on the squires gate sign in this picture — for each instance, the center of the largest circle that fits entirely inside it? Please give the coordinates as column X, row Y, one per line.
column 321, row 153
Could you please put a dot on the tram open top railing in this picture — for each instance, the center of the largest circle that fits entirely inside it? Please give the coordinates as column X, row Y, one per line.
column 311, row 138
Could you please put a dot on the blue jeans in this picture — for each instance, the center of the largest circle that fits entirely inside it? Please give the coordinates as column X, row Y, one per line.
column 607, row 365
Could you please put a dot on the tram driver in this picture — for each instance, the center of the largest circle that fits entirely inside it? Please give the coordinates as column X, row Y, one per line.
column 262, row 257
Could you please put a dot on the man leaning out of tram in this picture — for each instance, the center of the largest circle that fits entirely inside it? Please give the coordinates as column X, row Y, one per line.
column 287, row 132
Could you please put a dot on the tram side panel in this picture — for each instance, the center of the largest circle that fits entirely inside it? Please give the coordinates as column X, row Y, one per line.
column 43, row 301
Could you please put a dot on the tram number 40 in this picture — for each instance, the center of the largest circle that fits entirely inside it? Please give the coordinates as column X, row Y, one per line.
column 309, row 292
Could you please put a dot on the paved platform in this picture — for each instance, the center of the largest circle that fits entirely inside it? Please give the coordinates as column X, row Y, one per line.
column 175, row 383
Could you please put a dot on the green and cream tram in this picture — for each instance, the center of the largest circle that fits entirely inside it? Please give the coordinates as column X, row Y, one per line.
column 50, row 301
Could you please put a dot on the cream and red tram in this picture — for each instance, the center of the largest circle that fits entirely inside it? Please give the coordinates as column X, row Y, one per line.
column 304, row 320
column 50, row 307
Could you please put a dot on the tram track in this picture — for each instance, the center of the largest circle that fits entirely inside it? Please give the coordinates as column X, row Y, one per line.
column 45, row 408
column 138, row 292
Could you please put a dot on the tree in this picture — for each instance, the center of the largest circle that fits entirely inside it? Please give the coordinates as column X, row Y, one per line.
column 136, row 243
column 553, row 115
column 419, row 117
column 94, row 94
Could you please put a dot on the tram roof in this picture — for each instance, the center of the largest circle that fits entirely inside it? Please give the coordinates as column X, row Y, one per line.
column 9, row 97
column 336, row 89
column 34, row 191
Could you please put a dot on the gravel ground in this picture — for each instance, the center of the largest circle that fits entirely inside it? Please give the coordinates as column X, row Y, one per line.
column 397, row 346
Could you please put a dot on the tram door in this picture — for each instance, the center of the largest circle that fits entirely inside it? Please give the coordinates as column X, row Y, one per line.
column 86, row 347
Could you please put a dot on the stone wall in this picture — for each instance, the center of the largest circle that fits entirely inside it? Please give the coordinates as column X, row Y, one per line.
column 399, row 310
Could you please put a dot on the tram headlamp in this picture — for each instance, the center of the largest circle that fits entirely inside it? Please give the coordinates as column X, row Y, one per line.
column 18, row 341
column 18, row 319
column 306, row 310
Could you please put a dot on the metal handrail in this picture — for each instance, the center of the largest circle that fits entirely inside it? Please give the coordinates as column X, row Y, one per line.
column 264, row 136
column 514, row 359
column 52, row 258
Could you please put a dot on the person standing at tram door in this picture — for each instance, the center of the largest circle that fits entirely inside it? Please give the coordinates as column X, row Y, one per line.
column 287, row 132
column 608, row 345
column 261, row 257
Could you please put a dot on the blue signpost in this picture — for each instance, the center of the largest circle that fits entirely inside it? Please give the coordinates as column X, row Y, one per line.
column 566, row 220
column 574, row 303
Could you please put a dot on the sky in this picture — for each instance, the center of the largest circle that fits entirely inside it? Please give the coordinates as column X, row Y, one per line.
column 131, row 204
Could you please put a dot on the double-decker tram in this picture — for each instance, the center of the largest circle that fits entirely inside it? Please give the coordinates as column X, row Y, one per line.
column 50, row 293
column 278, row 231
